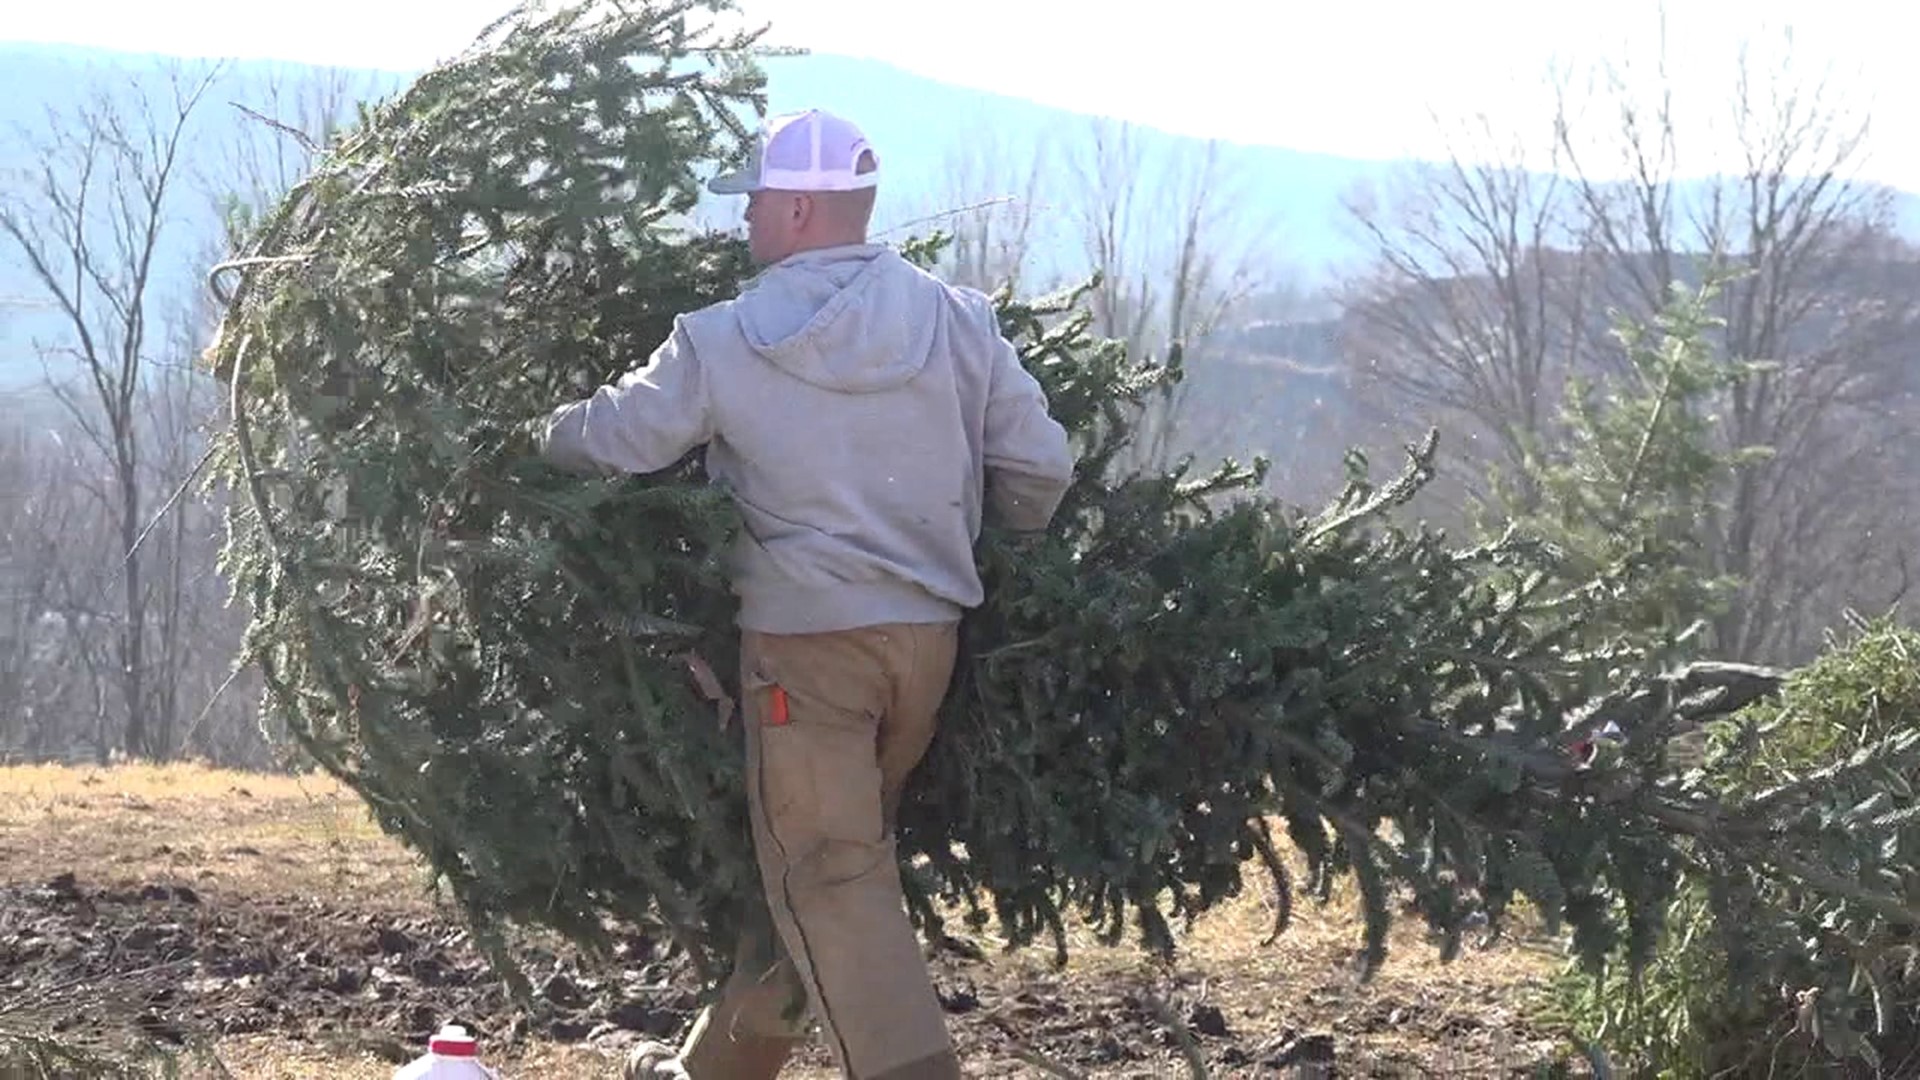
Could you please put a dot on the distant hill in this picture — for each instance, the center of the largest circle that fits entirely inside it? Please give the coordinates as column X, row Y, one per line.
column 920, row 125
column 1289, row 200
column 36, row 79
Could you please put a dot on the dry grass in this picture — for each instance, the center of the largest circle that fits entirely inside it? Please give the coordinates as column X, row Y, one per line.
column 237, row 833
column 266, row 1058
column 192, row 781
column 239, row 836
column 1309, row 977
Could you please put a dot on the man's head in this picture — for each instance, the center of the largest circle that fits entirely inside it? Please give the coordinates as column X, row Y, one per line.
column 810, row 183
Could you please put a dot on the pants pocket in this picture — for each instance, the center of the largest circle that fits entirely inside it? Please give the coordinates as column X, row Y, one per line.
column 820, row 781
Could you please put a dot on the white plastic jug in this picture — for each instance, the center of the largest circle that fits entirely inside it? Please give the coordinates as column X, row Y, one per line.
column 451, row 1055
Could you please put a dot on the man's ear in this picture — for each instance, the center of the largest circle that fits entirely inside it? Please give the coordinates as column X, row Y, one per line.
column 802, row 211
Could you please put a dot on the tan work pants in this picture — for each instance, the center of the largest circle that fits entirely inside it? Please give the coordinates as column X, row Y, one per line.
column 834, row 723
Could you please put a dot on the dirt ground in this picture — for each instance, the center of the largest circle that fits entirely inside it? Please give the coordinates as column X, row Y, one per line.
column 265, row 919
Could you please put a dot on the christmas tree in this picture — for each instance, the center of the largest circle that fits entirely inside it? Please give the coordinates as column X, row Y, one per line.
column 524, row 672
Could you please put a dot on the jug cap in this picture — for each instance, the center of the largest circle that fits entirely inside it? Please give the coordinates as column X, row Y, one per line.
column 453, row 1041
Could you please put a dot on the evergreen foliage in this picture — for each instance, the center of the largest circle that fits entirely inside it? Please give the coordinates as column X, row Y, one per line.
column 33, row 1055
column 442, row 621
column 1758, row 974
column 1635, row 476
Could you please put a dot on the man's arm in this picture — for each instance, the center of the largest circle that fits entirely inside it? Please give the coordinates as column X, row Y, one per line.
column 643, row 423
column 1029, row 463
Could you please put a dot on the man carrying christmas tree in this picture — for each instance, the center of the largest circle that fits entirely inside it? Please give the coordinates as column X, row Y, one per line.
column 862, row 413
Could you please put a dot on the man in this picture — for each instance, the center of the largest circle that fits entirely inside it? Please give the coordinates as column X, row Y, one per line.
column 863, row 414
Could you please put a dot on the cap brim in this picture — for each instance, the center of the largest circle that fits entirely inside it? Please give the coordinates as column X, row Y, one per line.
column 734, row 183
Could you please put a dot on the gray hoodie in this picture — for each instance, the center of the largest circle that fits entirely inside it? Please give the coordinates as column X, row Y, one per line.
column 860, row 411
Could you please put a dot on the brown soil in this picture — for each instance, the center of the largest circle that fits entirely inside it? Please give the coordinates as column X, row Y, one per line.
column 265, row 918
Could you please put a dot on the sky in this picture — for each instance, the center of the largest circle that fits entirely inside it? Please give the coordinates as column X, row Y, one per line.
column 1363, row 78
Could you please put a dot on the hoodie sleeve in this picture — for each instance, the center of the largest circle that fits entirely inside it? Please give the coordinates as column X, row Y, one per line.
column 643, row 423
column 1029, row 463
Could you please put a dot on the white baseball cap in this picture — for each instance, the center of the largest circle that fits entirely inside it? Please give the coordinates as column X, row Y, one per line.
column 803, row 151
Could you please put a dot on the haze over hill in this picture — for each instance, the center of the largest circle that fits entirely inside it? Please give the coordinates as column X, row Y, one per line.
column 1287, row 204
column 925, row 128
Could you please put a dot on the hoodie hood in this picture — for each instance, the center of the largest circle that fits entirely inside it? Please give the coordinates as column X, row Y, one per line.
column 854, row 319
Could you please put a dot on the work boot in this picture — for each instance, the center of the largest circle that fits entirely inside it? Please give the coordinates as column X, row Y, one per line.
column 652, row 1060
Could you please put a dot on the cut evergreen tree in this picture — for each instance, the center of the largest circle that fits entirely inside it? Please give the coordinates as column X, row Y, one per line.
column 501, row 658
column 1756, row 973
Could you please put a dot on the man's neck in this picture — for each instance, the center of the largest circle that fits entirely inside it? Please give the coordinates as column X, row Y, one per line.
column 829, row 244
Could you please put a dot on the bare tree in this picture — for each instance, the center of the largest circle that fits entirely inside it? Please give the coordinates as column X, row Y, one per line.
column 27, row 558
column 1821, row 288
column 116, row 634
column 1493, row 283
column 57, row 625
column 1476, row 305
column 990, row 204
column 88, row 222
column 1179, row 254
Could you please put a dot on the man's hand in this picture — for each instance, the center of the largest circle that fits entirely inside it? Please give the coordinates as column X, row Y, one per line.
column 1020, row 543
column 530, row 436
column 520, row 438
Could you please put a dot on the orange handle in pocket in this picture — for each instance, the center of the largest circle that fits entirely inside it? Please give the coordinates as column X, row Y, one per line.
column 777, row 708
